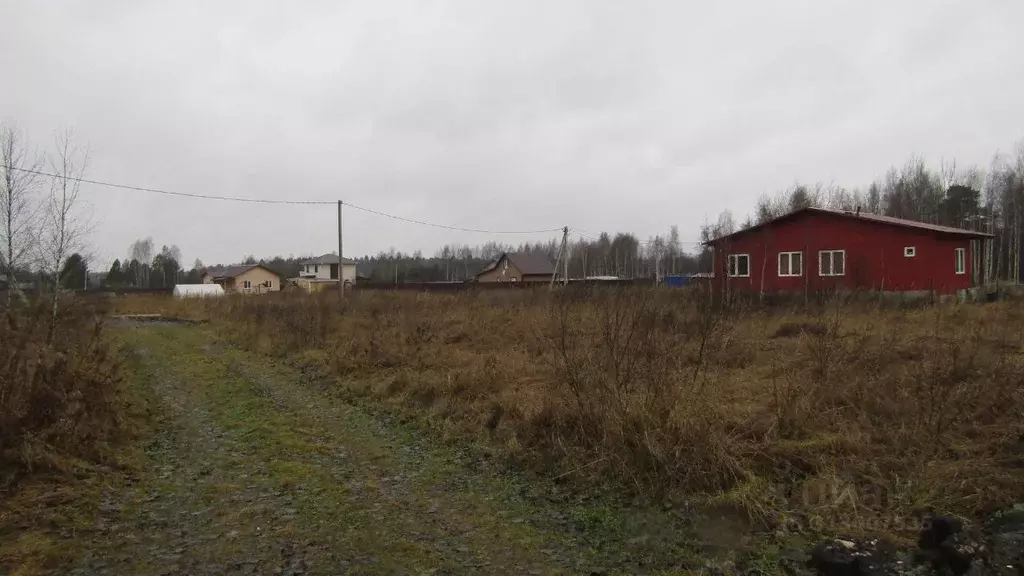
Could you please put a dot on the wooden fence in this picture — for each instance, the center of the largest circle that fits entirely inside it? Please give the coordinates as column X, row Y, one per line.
column 462, row 286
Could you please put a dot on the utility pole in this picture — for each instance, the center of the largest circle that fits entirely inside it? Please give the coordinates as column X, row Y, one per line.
column 554, row 273
column 341, row 260
column 565, row 258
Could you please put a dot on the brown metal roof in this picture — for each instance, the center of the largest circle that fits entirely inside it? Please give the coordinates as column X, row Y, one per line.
column 862, row 216
column 232, row 271
column 528, row 263
column 915, row 224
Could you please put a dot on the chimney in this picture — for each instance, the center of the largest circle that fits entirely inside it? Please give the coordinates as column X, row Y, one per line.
column 858, row 210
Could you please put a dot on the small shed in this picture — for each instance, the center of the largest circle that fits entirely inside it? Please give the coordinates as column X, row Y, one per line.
column 198, row 291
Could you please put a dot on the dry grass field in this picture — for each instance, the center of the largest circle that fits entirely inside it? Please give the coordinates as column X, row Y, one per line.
column 844, row 417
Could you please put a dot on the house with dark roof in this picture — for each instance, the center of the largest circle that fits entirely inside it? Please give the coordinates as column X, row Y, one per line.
column 518, row 267
column 815, row 249
column 322, row 271
column 243, row 278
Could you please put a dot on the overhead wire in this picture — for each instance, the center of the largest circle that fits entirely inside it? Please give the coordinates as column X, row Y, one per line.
column 173, row 193
column 447, row 227
column 275, row 201
column 583, row 233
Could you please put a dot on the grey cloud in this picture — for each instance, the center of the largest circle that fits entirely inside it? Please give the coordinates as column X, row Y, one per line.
column 595, row 114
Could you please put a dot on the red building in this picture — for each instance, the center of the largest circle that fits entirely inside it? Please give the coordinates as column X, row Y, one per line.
column 815, row 249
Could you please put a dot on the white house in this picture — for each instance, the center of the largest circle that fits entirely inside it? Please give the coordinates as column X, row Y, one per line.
column 316, row 272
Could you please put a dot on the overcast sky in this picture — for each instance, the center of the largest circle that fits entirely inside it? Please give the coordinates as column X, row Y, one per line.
column 505, row 115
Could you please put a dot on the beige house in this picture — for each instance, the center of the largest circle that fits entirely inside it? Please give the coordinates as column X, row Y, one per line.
column 518, row 267
column 244, row 279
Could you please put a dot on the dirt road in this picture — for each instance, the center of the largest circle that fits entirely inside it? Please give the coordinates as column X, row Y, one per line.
column 252, row 470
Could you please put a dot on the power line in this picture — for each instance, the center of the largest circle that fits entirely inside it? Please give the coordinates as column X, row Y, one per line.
column 591, row 238
column 263, row 201
column 171, row 193
column 446, row 227
column 305, row 203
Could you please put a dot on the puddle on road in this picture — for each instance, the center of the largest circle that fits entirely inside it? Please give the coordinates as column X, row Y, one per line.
column 147, row 319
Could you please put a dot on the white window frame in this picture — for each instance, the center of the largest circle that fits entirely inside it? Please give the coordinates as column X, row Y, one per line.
column 732, row 264
column 909, row 251
column 247, row 284
column 960, row 261
column 831, row 262
column 504, row 264
column 789, row 262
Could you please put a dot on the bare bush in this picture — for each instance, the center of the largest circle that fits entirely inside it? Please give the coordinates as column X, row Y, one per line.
column 615, row 359
column 621, row 355
column 58, row 400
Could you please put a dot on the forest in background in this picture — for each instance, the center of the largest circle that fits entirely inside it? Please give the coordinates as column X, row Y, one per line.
column 621, row 254
column 963, row 197
column 990, row 200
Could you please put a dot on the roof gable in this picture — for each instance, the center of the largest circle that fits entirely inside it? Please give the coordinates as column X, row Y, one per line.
column 532, row 263
column 528, row 263
column 860, row 216
column 326, row 259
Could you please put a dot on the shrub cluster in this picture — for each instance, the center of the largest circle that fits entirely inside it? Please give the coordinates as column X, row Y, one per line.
column 59, row 388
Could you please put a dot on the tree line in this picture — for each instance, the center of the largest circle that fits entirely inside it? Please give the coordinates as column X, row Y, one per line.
column 43, row 227
column 965, row 197
column 143, row 269
column 620, row 254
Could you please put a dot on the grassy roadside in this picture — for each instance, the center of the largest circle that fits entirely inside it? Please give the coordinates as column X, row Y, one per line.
column 250, row 462
column 44, row 518
column 295, row 444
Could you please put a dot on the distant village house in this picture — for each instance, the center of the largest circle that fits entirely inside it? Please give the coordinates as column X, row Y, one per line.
column 244, row 279
column 518, row 267
column 318, row 273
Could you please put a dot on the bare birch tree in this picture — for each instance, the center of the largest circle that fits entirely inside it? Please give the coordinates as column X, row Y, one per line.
column 675, row 247
column 142, row 252
column 1014, row 191
column 19, row 204
column 64, row 228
